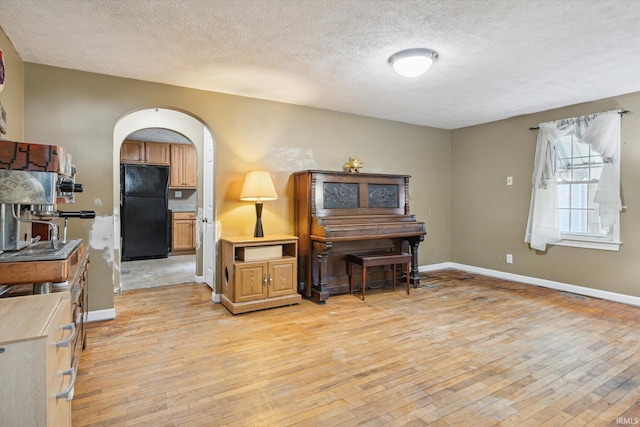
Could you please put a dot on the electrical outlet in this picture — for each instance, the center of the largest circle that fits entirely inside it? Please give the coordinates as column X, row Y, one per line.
column 509, row 259
column 178, row 194
column 509, row 180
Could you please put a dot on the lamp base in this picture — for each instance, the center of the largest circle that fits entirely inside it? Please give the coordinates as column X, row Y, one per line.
column 258, row 230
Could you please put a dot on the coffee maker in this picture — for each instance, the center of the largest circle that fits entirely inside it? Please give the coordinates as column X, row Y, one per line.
column 34, row 179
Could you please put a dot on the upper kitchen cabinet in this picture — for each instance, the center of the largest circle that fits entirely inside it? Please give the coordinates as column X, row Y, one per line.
column 144, row 153
column 183, row 166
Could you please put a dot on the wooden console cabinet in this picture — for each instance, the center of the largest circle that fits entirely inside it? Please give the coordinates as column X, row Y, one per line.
column 36, row 337
column 259, row 272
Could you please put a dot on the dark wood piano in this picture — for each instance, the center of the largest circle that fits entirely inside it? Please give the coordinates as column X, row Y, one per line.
column 342, row 213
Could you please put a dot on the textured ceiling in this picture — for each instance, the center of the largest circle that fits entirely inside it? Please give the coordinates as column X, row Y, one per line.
column 497, row 59
column 158, row 135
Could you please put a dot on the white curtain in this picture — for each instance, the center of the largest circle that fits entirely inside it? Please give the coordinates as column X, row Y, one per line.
column 602, row 132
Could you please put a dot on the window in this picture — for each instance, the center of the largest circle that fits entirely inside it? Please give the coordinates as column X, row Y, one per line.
column 578, row 171
column 575, row 197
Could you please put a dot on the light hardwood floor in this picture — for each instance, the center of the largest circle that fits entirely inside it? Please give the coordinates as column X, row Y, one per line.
column 461, row 350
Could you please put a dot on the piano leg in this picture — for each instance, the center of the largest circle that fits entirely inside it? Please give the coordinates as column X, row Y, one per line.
column 415, row 274
column 319, row 292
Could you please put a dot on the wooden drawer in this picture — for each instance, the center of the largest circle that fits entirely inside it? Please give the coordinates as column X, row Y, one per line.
column 184, row 215
column 35, row 361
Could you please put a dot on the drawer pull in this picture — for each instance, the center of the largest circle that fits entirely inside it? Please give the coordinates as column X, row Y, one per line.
column 65, row 343
column 64, row 394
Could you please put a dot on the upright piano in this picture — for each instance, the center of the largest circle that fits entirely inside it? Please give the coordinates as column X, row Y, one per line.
column 342, row 213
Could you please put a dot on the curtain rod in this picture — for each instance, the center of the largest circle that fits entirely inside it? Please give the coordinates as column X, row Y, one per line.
column 619, row 112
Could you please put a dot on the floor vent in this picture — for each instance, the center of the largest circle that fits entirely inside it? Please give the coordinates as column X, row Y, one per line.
column 570, row 295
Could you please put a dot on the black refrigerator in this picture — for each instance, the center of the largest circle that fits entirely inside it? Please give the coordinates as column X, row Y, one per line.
column 144, row 211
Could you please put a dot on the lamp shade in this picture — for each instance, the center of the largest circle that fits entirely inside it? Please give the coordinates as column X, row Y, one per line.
column 258, row 186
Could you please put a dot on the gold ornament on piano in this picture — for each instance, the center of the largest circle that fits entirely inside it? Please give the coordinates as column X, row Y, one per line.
column 354, row 164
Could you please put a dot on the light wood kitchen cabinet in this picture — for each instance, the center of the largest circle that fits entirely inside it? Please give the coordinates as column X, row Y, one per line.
column 144, row 153
column 259, row 272
column 36, row 334
column 183, row 233
column 184, row 166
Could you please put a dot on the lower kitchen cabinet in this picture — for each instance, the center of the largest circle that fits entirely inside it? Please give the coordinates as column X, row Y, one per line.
column 183, row 233
column 259, row 272
column 36, row 334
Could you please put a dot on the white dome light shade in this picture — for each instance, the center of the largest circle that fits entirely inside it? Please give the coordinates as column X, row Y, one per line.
column 413, row 62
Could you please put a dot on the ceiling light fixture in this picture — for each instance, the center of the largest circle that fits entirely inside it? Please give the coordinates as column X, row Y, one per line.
column 413, row 62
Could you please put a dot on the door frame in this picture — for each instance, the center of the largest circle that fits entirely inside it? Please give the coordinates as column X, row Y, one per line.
column 202, row 138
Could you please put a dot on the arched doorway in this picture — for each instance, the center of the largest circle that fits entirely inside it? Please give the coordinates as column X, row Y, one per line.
column 196, row 131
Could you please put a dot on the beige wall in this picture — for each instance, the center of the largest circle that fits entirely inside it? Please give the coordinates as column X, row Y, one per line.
column 12, row 97
column 79, row 110
column 472, row 216
column 488, row 218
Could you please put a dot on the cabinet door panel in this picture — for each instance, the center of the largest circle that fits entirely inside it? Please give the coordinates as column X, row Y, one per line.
column 251, row 281
column 190, row 167
column 282, row 277
column 184, row 166
column 157, row 153
column 132, row 152
column 182, row 235
column 177, row 160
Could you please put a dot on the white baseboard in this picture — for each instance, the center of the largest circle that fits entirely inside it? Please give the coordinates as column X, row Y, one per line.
column 215, row 297
column 565, row 287
column 100, row 315
column 434, row 267
column 199, row 279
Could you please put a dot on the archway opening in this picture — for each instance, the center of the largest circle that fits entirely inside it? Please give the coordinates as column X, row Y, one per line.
column 158, row 208
column 195, row 132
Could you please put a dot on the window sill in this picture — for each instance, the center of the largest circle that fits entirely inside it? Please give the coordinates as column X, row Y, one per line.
column 604, row 246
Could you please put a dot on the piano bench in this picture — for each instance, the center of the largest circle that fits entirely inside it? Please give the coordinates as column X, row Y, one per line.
column 373, row 260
